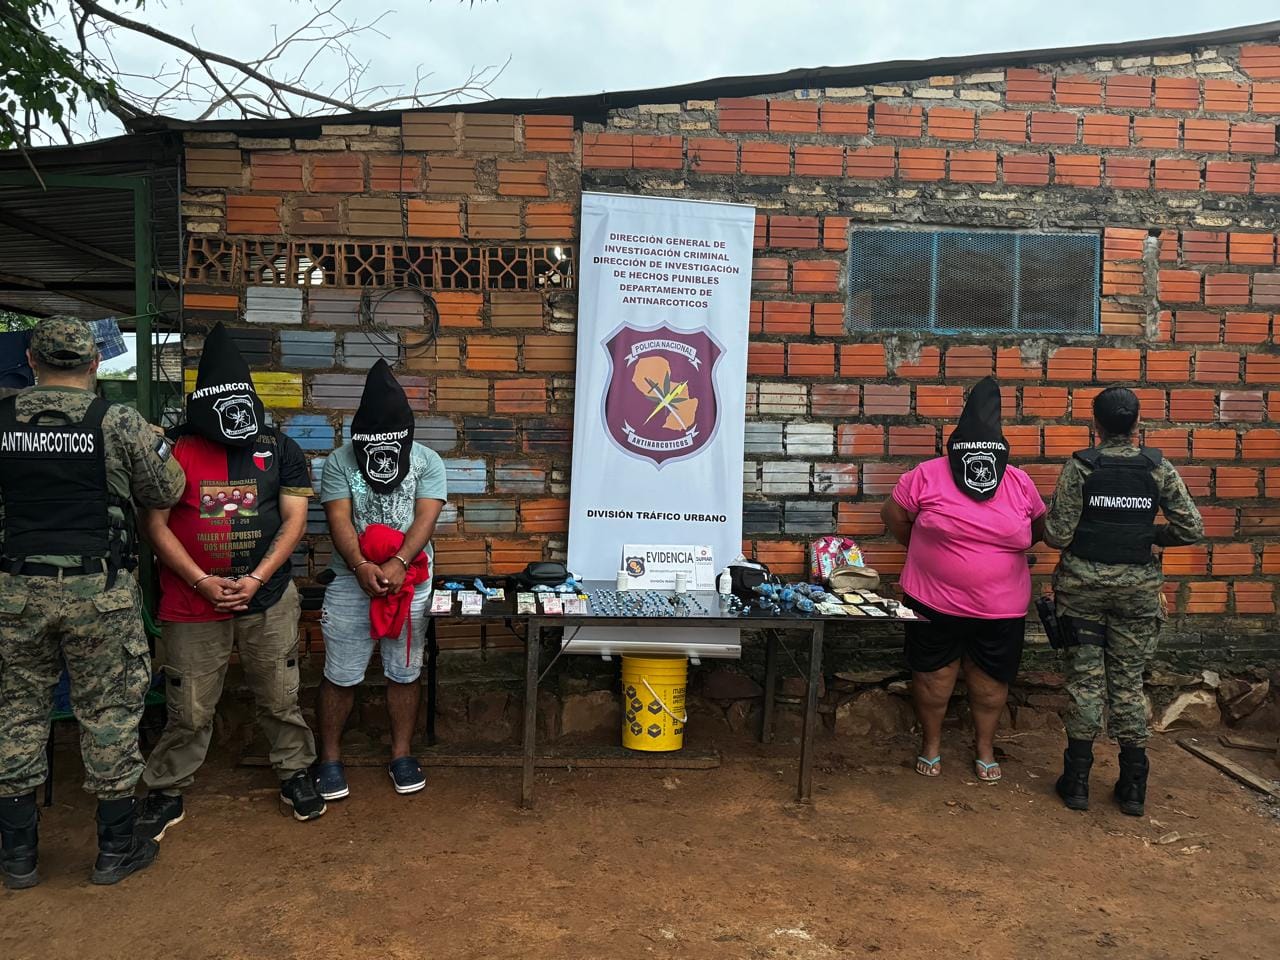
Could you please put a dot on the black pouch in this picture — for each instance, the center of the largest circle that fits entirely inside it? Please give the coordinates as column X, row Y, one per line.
column 547, row 573
column 1048, row 612
column 748, row 575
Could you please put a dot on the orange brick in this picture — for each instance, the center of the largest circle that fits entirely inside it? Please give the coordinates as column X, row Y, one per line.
column 1261, row 444
column 969, row 361
column 510, row 556
column 1226, row 96
column 913, row 441
column 275, row 171
column 492, row 354
column 1262, row 368
column 844, row 119
column 835, row 232
column 1266, row 98
column 523, row 178
column 891, row 121
column 742, row 114
column 1210, row 444
column 886, row 400
column 766, row 359
column 870, row 163
column 395, row 173
column 607, row 150
column 657, row 153
column 1118, row 365
column 793, row 116
column 1192, row 406
column 769, row 274
column 819, row 161
column 1024, row 440
column 828, row 319
column 520, row 396
column 1012, row 365
column 862, row 361
column 549, row 221
column 783, row 558
column 800, row 233
column 1235, row 483
column 934, row 401
column 1179, row 286
column 546, row 515
column 1186, row 561
column 1007, row 126
column 1027, row 86
column 1106, row 129
column 1194, row 326
column 924, row 366
column 1046, row 402
column 947, row 123
column 1129, row 92
column 1026, row 169
column 254, row 215
column 858, row 519
column 1177, row 93
column 712, row 155
column 459, row 309
column 1172, row 174
column 1054, row 127
column 815, row 276
column 1200, row 246
column 1076, row 91
column 1060, row 441
column 1253, row 248
column 922, row 163
column 1259, row 138
column 765, row 158
column 1217, row 366
column 549, row 353
column 1206, row 597
column 1205, row 136
column 1247, row 328
column 1226, row 176
column 973, row 166
column 548, row 134
column 1123, row 243
column 859, row 440
column 1071, row 363
column 1156, row 133
column 1254, row 597
column 1128, row 173
column 1077, row 170
column 811, row 359
column 1226, row 289
column 1168, row 366
column 434, row 218
column 788, row 318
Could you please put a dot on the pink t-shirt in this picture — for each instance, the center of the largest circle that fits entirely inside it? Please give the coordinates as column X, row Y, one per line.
column 967, row 557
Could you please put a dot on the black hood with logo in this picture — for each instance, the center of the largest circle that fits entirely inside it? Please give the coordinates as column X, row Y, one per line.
column 382, row 430
column 977, row 449
column 224, row 407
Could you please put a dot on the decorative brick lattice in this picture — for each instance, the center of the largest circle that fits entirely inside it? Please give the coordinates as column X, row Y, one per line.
column 212, row 259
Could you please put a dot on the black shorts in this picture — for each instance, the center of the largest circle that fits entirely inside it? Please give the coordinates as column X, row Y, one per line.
column 994, row 645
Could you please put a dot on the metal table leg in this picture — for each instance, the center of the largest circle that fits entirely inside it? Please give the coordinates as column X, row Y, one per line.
column 433, row 653
column 805, row 789
column 533, row 643
column 770, row 685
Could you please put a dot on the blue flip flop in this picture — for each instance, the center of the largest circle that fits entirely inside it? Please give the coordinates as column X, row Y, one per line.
column 982, row 768
column 933, row 765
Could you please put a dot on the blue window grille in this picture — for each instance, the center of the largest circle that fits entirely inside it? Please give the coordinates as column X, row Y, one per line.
column 973, row 281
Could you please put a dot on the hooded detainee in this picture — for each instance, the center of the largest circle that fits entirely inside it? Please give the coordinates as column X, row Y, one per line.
column 967, row 521
column 382, row 494
column 226, row 581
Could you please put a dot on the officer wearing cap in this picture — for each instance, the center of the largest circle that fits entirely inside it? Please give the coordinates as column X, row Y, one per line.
column 1108, row 589
column 71, row 468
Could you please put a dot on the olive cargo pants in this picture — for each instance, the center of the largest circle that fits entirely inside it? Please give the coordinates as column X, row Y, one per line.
column 195, row 656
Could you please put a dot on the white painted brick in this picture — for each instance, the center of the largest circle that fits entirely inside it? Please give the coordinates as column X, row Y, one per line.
column 204, row 226
column 997, row 196
column 787, row 476
column 344, row 129
column 881, row 91
column 942, row 81
column 695, row 125
column 214, row 136
column 809, row 439
column 785, row 399
column 1213, row 68
column 327, row 143
column 1129, row 63
column 845, row 92
column 1207, row 55
column 264, row 143
column 989, row 95
column 1104, row 66
column 273, row 305
column 659, row 108
column 750, row 477
column 386, row 131
column 700, row 105
column 200, row 210
column 932, row 93
column 375, row 145
column 992, row 76
column 872, row 208
column 1175, row 60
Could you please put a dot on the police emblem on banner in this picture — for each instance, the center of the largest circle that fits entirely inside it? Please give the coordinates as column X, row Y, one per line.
column 236, row 416
column 660, row 403
column 382, row 460
column 980, row 472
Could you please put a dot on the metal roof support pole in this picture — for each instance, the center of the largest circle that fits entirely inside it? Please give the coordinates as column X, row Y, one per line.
column 142, row 306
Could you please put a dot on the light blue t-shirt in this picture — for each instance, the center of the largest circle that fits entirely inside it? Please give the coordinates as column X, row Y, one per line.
column 342, row 480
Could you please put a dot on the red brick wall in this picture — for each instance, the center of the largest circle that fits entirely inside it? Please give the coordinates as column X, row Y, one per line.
column 1170, row 159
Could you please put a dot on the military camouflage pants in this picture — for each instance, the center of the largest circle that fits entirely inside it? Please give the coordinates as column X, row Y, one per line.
column 44, row 623
column 1109, row 679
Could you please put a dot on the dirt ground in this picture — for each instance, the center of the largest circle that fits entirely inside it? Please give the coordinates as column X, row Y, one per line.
column 701, row 864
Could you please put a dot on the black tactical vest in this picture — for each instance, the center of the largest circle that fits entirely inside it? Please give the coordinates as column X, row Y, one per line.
column 1121, row 503
column 53, row 477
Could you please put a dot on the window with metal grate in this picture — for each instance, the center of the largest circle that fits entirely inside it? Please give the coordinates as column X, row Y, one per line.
column 972, row 281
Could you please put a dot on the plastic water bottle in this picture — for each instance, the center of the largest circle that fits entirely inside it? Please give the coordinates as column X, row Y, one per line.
column 724, row 585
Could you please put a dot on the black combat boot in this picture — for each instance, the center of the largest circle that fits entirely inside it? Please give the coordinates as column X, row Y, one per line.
column 19, row 828
column 1073, row 785
column 1131, row 788
column 120, row 853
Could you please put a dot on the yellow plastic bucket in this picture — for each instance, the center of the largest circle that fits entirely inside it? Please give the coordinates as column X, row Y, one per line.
column 653, row 715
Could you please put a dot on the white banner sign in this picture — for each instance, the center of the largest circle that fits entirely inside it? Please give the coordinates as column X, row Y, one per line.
column 663, row 311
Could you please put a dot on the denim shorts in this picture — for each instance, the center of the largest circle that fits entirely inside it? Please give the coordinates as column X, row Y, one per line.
column 344, row 620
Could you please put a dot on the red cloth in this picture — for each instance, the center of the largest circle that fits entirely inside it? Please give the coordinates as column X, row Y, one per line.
column 389, row 614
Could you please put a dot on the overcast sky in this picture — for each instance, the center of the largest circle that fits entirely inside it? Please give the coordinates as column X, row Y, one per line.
column 588, row 46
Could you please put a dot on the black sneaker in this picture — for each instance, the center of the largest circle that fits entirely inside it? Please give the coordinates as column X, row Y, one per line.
column 406, row 775
column 159, row 812
column 299, row 794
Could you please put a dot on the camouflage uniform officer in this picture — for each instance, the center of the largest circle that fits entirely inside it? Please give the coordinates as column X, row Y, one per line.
column 69, row 465
column 1107, row 589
